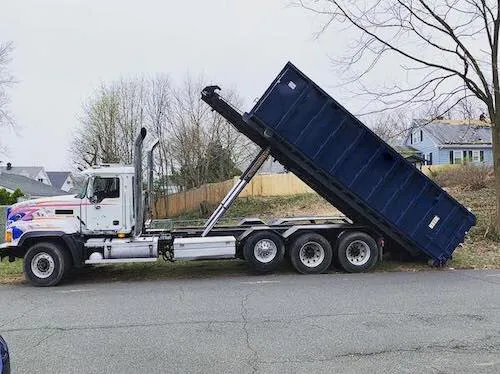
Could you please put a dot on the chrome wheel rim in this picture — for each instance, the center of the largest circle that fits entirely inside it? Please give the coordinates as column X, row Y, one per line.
column 265, row 250
column 358, row 253
column 42, row 265
column 311, row 254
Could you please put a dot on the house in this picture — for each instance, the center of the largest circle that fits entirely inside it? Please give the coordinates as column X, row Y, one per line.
column 36, row 173
column 444, row 142
column 62, row 180
column 32, row 189
column 271, row 166
column 411, row 154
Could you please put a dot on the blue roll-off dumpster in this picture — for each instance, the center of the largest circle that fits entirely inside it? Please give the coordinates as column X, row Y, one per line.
column 351, row 167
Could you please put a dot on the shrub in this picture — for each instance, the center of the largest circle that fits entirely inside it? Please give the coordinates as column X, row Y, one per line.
column 7, row 198
column 469, row 176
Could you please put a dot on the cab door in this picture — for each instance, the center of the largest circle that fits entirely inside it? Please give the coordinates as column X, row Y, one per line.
column 104, row 208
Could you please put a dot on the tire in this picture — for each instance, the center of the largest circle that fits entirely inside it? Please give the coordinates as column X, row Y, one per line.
column 357, row 252
column 264, row 251
column 68, row 264
column 310, row 253
column 45, row 264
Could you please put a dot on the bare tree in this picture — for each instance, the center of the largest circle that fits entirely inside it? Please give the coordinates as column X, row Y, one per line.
column 157, row 109
column 96, row 139
column 200, row 139
column 6, row 81
column 392, row 127
column 196, row 144
column 448, row 47
column 131, row 98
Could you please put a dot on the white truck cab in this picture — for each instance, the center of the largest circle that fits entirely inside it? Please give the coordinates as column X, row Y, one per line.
column 107, row 200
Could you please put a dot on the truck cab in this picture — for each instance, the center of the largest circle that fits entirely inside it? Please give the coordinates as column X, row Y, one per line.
column 107, row 201
column 101, row 224
column 103, row 207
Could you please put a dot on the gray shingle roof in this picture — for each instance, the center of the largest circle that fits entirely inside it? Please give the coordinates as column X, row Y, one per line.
column 454, row 132
column 406, row 150
column 28, row 186
column 26, row 171
column 57, row 178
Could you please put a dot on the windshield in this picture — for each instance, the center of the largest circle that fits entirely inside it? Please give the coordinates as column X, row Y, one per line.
column 83, row 192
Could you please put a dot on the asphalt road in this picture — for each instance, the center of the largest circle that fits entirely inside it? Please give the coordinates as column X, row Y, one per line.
column 424, row 322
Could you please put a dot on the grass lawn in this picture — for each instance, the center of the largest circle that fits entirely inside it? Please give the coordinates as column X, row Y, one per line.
column 480, row 250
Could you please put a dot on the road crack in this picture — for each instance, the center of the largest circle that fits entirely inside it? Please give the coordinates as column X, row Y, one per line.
column 48, row 336
column 451, row 347
column 32, row 306
column 244, row 315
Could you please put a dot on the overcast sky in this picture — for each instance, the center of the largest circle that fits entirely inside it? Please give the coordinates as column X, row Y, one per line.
column 65, row 48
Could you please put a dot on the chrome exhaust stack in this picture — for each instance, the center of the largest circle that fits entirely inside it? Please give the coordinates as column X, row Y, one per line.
column 149, row 197
column 139, row 215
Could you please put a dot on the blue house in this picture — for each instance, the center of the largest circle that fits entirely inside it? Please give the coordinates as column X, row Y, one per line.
column 443, row 142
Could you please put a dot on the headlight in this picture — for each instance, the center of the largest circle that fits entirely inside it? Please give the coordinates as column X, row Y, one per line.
column 8, row 236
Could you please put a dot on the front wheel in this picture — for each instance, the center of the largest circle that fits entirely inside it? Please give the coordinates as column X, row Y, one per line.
column 45, row 264
column 357, row 252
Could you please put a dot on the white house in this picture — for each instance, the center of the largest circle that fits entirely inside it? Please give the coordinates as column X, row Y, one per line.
column 452, row 142
column 61, row 179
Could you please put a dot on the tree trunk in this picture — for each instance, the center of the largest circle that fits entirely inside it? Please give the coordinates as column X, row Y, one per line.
column 495, row 132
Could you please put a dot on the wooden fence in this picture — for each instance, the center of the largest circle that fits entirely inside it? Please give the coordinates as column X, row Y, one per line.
column 275, row 185
column 261, row 185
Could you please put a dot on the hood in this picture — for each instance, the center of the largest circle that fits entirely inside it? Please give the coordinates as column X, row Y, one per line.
column 58, row 213
column 46, row 207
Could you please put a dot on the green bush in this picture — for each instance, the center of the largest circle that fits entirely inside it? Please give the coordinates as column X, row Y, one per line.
column 7, row 198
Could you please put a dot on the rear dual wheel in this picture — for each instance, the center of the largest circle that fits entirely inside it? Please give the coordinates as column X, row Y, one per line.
column 310, row 253
column 264, row 251
column 357, row 252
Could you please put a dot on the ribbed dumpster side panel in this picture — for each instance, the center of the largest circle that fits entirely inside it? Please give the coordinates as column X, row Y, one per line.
column 354, row 169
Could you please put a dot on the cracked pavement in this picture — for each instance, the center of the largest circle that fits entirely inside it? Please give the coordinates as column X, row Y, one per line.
column 425, row 322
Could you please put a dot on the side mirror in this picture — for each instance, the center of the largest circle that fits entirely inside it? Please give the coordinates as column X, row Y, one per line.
column 90, row 192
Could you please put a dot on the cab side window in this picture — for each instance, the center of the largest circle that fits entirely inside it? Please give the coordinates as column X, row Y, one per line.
column 106, row 188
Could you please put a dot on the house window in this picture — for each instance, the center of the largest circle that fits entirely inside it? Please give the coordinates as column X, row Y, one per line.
column 429, row 159
column 481, row 156
column 457, row 157
column 421, row 136
column 475, row 156
column 411, row 138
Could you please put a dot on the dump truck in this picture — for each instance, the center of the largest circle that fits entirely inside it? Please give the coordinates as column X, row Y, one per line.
column 382, row 196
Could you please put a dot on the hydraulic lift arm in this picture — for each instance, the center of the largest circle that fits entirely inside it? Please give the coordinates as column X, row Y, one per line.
column 221, row 106
column 236, row 190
